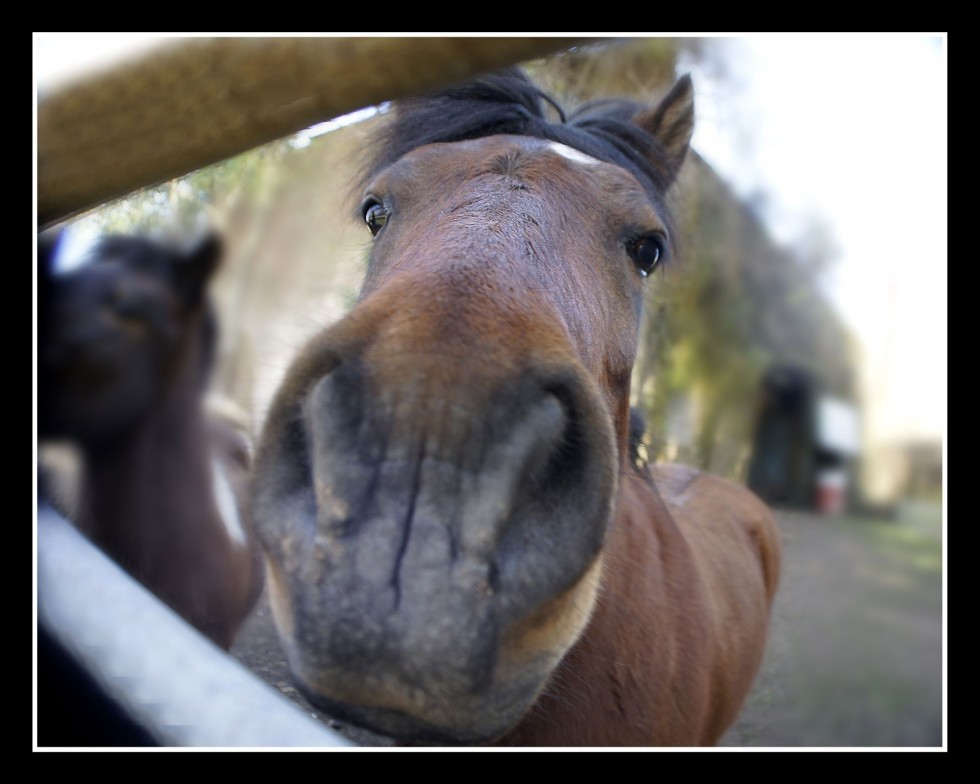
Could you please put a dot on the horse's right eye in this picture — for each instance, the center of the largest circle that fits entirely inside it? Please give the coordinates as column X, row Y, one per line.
column 375, row 216
column 126, row 308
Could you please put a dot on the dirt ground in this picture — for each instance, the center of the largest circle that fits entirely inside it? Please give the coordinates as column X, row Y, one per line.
column 855, row 656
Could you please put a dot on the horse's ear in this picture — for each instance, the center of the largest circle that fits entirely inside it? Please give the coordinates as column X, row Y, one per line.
column 197, row 266
column 672, row 123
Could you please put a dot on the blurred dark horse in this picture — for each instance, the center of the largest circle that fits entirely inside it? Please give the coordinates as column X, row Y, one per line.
column 461, row 547
column 126, row 344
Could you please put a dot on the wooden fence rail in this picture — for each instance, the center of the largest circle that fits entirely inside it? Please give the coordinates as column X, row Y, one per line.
column 194, row 102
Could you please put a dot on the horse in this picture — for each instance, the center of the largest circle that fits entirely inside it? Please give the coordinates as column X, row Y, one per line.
column 460, row 547
column 126, row 344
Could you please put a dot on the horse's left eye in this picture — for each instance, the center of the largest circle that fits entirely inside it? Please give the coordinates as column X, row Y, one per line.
column 647, row 252
column 125, row 315
column 375, row 216
column 123, row 305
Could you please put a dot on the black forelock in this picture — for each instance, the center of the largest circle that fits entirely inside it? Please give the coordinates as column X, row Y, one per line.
column 508, row 102
column 133, row 252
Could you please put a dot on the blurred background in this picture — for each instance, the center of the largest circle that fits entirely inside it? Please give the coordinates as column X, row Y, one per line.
column 798, row 346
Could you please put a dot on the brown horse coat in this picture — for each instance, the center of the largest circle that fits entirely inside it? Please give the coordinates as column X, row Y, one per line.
column 460, row 547
column 710, row 563
column 126, row 345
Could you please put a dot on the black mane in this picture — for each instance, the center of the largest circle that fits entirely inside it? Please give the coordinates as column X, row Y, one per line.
column 508, row 102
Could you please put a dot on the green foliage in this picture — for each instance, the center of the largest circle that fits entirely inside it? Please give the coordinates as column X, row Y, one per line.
column 732, row 304
column 637, row 69
column 181, row 204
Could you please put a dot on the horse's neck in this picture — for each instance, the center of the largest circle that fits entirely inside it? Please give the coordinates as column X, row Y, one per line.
column 152, row 485
column 646, row 563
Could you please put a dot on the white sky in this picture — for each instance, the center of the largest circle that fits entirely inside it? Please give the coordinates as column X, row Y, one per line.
column 62, row 55
column 850, row 129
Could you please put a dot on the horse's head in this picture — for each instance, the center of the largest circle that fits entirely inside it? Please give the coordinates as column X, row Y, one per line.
column 438, row 469
column 117, row 333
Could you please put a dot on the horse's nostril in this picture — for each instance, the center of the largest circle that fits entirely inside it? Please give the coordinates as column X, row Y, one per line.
column 567, row 452
column 540, row 435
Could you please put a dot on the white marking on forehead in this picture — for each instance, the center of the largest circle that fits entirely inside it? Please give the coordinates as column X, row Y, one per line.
column 227, row 507
column 572, row 154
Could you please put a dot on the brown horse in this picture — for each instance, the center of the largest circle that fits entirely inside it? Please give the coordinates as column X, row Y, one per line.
column 125, row 347
column 461, row 549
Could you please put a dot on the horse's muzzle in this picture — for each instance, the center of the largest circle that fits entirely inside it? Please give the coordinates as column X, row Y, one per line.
column 418, row 511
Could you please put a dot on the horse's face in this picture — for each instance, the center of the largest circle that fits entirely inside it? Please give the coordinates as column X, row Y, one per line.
column 438, row 470
column 113, row 335
column 529, row 255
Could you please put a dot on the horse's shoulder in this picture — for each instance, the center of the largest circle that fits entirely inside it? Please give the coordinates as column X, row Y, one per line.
column 674, row 479
column 701, row 502
column 683, row 486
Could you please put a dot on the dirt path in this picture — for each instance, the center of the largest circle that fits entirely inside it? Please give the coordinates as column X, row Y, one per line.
column 855, row 652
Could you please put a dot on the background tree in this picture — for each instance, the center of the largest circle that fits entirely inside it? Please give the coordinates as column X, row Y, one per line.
column 734, row 303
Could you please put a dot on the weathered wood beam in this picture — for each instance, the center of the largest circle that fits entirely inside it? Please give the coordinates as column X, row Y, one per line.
column 196, row 101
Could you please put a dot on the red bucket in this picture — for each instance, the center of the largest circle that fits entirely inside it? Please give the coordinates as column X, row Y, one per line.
column 831, row 491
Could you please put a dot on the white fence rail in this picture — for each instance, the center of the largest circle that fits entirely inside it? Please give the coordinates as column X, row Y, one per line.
column 164, row 675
